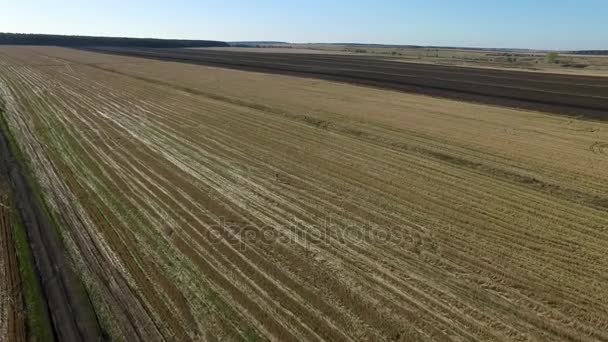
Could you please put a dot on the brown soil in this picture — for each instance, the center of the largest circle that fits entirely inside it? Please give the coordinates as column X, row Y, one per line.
column 12, row 312
column 562, row 94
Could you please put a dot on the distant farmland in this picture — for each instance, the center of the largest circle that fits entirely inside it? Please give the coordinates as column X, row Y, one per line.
column 557, row 93
column 200, row 203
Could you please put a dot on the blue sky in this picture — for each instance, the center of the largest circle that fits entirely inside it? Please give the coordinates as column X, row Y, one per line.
column 542, row 24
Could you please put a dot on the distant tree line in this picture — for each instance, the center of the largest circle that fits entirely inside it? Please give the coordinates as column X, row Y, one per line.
column 80, row 41
column 591, row 52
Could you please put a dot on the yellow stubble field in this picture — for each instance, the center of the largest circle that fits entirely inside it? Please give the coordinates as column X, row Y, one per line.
column 203, row 203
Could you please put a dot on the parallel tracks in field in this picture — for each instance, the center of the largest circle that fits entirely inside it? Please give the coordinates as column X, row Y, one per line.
column 149, row 175
column 71, row 314
column 12, row 311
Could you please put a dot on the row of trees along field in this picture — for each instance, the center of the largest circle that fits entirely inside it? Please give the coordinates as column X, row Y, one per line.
column 592, row 52
column 61, row 40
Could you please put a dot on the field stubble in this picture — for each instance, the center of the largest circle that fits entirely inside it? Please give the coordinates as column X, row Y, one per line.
column 207, row 203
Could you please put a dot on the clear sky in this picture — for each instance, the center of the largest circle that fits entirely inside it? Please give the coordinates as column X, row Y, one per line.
column 541, row 24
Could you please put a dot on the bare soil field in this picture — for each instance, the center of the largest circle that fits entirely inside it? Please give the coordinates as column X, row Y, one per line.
column 563, row 94
column 524, row 60
column 200, row 203
column 275, row 50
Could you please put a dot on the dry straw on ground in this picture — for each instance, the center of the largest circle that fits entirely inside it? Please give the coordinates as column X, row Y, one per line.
column 206, row 203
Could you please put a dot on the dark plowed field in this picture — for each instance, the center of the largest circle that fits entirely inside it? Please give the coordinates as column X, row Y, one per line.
column 563, row 94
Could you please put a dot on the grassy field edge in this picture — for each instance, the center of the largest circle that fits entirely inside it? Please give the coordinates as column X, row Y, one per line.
column 38, row 321
column 37, row 315
column 39, row 318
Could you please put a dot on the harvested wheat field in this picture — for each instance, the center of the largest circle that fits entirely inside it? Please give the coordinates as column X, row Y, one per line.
column 200, row 203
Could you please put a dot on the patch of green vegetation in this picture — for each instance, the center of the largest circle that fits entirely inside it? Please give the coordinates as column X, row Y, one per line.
column 552, row 57
column 38, row 322
column 251, row 336
column 77, row 281
column 227, row 313
column 37, row 317
column 28, row 174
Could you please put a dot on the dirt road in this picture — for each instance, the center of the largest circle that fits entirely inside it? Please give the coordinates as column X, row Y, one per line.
column 72, row 315
column 12, row 313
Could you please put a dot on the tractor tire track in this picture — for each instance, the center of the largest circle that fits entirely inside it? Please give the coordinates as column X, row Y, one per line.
column 72, row 316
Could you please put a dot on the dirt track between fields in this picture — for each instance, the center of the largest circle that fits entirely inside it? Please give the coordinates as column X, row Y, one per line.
column 12, row 318
column 562, row 94
column 72, row 316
